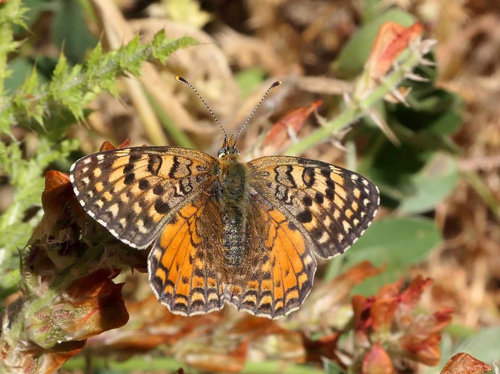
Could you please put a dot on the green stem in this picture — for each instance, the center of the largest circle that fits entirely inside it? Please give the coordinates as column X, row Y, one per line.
column 357, row 109
column 177, row 135
column 483, row 191
column 169, row 364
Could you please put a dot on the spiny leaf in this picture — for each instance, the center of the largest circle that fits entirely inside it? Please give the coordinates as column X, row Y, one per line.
column 73, row 88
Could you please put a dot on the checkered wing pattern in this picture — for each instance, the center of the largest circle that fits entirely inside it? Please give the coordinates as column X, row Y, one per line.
column 134, row 192
column 331, row 206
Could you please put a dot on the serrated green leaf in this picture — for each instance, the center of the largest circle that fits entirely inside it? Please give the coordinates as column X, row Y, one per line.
column 30, row 83
column 59, row 76
column 73, row 89
column 127, row 56
column 12, row 13
column 159, row 38
column 93, row 61
column 163, row 50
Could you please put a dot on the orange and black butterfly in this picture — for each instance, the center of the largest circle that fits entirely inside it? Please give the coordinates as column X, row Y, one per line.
column 223, row 230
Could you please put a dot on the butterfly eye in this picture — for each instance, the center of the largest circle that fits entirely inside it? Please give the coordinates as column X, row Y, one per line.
column 222, row 152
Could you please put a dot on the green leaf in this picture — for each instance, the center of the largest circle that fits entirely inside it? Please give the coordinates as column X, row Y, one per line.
column 424, row 139
column 485, row 345
column 391, row 167
column 431, row 185
column 30, row 83
column 405, row 174
column 60, row 72
column 71, row 89
column 12, row 13
column 446, row 124
column 20, row 68
column 395, row 242
column 331, row 367
column 249, row 79
column 355, row 53
column 430, row 108
column 372, row 8
column 127, row 53
column 70, row 31
column 162, row 48
column 94, row 58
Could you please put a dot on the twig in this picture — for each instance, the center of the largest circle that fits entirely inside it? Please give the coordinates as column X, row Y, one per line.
column 357, row 109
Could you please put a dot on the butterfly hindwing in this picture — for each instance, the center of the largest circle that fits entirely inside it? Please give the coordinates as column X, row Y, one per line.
column 331, row 206
column 185, row 264
column 278, row 265
column 134, row 191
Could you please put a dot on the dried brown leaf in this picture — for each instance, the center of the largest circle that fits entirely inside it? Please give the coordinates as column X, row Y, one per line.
column 464, row 363
column 291, row 123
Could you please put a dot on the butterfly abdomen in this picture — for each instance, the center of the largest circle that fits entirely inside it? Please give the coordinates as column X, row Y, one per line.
column 233, row 197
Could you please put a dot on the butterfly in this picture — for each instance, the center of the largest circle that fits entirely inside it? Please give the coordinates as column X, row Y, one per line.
column 222, row 230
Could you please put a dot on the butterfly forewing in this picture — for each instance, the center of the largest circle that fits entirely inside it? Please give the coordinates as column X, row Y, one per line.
column 331, row 206
column 133, row 192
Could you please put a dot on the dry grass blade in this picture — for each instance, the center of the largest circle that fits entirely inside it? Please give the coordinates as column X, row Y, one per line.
column 213, row 78
column 323, row 85
column 117, row 33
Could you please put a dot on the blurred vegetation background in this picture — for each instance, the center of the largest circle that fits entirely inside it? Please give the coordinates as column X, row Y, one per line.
column 77, row 73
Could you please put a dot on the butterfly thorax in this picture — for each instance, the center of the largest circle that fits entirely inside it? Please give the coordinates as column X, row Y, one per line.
column 232, row 194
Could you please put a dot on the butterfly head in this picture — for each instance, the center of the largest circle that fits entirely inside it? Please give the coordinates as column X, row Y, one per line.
column 228, row 149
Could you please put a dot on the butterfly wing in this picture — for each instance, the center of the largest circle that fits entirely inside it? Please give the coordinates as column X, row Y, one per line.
column 134, row 191
column 331, row 206
column 185, row 264
column 278, row 267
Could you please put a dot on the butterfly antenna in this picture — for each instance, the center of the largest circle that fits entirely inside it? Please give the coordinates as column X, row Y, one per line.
column 274, row 85
column 180, row 79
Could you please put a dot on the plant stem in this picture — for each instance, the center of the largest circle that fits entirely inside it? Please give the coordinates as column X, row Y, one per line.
column 170, row 364
column 177, row 135
column 483, row 191
column 357, row 109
